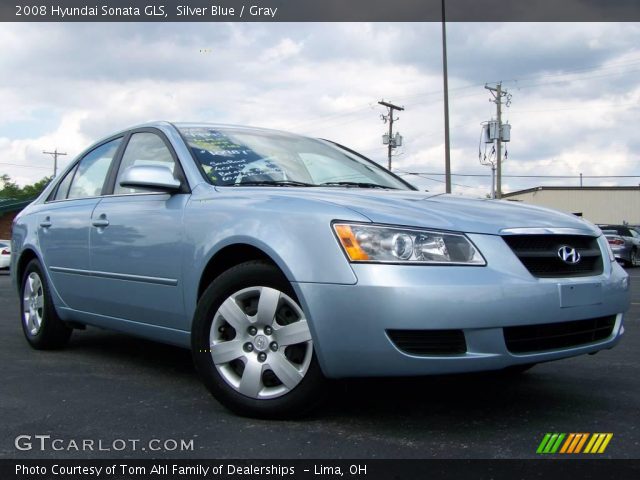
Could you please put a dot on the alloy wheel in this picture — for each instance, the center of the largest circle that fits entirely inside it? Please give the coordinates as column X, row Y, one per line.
column 33, row 303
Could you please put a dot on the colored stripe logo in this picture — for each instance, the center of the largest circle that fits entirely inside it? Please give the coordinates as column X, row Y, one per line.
column 574, row 443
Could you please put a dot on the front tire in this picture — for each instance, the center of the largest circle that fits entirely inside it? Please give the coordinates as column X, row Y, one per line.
column 252, row 346
column 41, row 325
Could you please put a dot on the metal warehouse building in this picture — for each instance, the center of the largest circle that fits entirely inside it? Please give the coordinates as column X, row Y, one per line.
column 596, row 204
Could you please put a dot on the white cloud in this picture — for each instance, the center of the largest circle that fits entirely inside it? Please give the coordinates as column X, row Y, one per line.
column 286, row 48
column 574, row 102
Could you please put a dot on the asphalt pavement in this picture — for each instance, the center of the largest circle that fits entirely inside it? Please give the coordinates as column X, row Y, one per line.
column 113, row 389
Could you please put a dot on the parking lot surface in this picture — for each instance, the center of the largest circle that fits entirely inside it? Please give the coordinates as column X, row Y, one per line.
column 107, row 386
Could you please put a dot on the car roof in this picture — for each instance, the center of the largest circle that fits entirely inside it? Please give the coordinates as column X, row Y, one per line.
column 165, row 124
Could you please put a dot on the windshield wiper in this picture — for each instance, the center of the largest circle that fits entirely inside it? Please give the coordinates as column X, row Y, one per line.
column 277, row 183
column 356, row 184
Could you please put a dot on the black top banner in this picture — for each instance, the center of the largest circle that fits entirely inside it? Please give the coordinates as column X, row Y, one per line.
column 319, row 10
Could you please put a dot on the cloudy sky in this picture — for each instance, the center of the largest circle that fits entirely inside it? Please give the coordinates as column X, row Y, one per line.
column 575, row 90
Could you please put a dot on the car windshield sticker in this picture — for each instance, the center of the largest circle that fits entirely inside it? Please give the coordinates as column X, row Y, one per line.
column 228, row 162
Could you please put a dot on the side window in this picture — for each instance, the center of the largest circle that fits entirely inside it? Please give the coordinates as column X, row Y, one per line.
column 143, row 149
column 92, row 171
column 63, row 186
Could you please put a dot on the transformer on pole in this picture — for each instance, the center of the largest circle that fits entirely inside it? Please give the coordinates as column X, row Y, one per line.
column 388, row 138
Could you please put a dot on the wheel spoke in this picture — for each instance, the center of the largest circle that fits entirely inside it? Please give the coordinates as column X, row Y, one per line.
column 267, row 305
column 225, row 352
column 297, row 332
column 32, row 322
column 233, row 314
column 28, row 319
column 36, row 284
column 39, row 301
column 251, row 381
column 284, row 370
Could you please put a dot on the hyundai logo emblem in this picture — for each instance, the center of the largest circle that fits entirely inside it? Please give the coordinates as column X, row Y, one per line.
column 569, row 255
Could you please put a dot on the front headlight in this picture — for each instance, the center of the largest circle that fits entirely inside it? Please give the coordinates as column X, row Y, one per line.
column 382, row 244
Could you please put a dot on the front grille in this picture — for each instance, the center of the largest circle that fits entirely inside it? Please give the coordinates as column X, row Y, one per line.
column 539, row 254
column 429, row 342
column 555, row 336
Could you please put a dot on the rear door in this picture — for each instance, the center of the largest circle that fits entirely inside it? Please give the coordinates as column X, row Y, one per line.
column 136, row 242
column 63, row 228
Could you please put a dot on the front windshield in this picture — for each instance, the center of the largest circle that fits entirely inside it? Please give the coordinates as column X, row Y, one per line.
column 235, row 156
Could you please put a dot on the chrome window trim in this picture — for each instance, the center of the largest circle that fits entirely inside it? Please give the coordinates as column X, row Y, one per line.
column 108, row 196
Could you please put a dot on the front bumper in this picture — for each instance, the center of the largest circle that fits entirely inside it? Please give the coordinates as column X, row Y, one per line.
column 349, row 322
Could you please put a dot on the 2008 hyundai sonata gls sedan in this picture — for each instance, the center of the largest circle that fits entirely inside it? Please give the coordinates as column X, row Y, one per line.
column 282, row 261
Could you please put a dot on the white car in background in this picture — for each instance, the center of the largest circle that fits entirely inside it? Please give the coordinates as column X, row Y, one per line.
column 5, row 254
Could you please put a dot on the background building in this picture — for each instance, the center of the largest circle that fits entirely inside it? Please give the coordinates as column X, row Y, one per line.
column 596, row 204
column 9, row 208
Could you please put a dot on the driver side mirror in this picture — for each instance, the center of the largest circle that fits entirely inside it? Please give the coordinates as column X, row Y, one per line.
column 151, row 177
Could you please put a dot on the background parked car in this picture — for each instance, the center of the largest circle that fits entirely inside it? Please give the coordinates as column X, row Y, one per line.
column 5, row 254
column 625, row 243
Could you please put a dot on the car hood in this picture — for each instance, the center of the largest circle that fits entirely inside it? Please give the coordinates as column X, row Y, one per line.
column 446, row 212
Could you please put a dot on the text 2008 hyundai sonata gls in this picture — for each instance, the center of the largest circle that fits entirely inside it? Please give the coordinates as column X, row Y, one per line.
column 282, row 260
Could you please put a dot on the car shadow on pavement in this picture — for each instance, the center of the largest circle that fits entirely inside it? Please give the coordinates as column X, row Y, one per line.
column 103, row 345
column 486, row 396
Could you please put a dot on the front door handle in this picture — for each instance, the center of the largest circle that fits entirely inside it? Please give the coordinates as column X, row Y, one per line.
column 100, row 222
column 46, row 223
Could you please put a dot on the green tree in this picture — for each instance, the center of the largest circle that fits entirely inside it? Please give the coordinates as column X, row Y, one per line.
column 11, row 189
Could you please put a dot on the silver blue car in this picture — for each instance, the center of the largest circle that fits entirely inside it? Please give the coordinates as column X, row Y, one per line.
column 283, row 261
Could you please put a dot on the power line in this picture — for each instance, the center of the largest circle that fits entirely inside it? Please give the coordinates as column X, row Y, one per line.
column 402, row 173
column 582, row 107
column 23, row 166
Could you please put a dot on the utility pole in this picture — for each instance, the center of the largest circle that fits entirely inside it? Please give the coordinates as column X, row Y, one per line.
column 493, row 181
column 445, row 75
column 391, row 142
column 55, row 155
column 498, row 94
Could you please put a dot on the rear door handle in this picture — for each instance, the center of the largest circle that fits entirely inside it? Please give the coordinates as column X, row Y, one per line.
column 46, row 223
column 100, row 222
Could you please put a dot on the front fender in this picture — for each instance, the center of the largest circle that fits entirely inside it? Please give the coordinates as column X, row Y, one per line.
column 297, row 236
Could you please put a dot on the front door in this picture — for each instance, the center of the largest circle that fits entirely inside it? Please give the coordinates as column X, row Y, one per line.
column 136, row 244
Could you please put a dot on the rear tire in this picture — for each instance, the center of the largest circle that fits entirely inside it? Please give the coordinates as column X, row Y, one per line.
column 41, row 325
column 249, row 320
